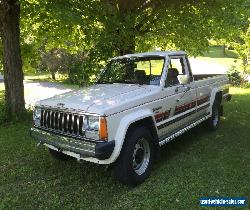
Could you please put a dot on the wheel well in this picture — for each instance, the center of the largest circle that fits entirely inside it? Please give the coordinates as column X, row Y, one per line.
column 149, row 123
column 218, row 96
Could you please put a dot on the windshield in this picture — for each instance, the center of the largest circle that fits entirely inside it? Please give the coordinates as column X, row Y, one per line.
column 133, row 70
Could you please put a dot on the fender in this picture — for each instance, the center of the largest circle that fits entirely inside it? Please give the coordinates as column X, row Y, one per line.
column 124, row 124
column 214, row 92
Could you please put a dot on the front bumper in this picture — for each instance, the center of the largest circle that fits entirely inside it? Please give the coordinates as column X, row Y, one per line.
column 99, row 150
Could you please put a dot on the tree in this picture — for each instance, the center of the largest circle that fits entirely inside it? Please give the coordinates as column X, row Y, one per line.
column 129, row 26
column 54, row 61
column 242, row 46
column 12, row 63
column 105, row 28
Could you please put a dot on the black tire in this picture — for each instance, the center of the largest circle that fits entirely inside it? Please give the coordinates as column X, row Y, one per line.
column 214, row 121
column 135, row 161
column 58, row 155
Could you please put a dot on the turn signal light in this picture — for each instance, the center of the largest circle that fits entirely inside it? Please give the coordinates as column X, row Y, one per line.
column 103, row 130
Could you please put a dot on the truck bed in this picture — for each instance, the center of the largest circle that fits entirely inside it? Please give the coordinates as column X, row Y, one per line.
column 198, row 77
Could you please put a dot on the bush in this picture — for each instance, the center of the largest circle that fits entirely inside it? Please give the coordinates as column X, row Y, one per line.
column 236, row 77
column 82, row 68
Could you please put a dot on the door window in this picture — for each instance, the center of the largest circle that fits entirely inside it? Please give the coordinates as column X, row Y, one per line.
column 176, row 69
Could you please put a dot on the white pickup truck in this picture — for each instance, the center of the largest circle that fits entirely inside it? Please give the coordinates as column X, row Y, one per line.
column 139, row 103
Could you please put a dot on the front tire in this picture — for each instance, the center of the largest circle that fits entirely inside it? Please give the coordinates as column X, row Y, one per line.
column 214, row 121
column 135, row 161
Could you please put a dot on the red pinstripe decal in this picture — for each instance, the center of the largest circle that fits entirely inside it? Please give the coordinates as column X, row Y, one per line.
column 162, row 116
column 182, row 108
column 185, row 107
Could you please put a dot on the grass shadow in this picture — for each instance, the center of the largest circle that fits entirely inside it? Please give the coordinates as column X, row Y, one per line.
column 181, row 143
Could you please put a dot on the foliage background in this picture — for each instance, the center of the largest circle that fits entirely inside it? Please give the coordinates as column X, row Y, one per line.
column 89, row 32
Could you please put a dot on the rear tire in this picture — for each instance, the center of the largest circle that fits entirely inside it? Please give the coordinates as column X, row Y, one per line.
column 58, row 155
column 135, row 161
column 214, row 121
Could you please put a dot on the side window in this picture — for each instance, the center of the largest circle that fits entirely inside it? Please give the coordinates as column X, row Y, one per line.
column 176, row 69
column 178, row 64
column 153, row 69
column 143, row 65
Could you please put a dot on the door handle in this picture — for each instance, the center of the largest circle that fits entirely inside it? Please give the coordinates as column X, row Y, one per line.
column 176, row 89
column 186, row 89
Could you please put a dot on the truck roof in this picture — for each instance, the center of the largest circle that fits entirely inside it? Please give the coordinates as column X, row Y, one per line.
column 148, row 54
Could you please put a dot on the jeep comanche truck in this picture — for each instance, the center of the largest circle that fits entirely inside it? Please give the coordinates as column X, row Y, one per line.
column 139, row 103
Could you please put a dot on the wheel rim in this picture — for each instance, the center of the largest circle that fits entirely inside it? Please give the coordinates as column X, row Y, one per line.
column 216, row 117
column 141, row 156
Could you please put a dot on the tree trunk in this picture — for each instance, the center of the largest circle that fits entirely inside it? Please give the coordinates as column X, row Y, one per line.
column 126, row 8
column 12, row 63
column 53, row 75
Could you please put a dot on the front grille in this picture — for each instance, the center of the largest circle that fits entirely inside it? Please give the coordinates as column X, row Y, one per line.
column 64, row 122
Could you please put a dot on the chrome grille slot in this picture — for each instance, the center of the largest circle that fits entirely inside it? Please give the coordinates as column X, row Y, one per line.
column 63, row 122
column 48, row 119
column 80, row 125
column 52, row 120
column 75, row 125
column 42, row 118
column 70, row 122
column 56, row 122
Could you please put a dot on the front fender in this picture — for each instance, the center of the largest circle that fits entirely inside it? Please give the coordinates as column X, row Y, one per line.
column 124, row 124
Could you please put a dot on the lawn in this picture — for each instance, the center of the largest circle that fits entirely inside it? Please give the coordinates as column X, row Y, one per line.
column 215, row 55
column 199, row 163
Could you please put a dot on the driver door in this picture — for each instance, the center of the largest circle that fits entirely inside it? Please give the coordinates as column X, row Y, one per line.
column 179, row 96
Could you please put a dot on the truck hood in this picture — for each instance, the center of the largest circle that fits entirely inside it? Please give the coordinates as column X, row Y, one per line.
column 101, row 99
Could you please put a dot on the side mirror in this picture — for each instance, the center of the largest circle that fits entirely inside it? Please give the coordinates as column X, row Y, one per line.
column 184, row 79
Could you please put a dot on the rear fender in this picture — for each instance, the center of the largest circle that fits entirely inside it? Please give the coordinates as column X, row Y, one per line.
column 215, row 94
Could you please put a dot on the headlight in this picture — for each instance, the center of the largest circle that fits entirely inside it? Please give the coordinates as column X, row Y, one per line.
column 91, row 127
column 93, row 123
column 37, row 116
column 94, row 127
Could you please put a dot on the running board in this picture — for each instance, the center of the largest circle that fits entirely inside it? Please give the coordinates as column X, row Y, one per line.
column 183, row 130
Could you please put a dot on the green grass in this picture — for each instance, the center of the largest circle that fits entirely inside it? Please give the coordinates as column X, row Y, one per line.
column 199, row 163
column 45, row 77
column 217, row 52
column 60, row 78
column 215, row 55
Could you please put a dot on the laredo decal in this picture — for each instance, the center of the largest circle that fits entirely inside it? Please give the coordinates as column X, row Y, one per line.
column 157, row 108
column 162, row 116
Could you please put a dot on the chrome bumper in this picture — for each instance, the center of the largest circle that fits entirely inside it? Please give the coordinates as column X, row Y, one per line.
column 85, row 149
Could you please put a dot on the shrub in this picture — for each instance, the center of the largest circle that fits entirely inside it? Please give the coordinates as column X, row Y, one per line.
column 235, row 76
